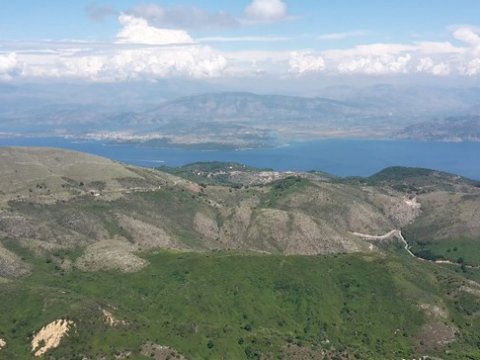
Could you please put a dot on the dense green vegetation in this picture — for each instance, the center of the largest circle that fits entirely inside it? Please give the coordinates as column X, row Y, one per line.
column 221, row 305
column 462, row 251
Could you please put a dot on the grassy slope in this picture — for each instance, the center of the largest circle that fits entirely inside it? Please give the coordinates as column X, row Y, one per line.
column 244, row 305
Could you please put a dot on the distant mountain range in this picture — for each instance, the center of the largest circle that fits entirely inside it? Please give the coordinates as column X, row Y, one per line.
column 239, row 119
column 251, row 107
column 459, row 128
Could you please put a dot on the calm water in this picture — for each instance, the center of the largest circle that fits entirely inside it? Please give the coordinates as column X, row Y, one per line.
column 339, row 157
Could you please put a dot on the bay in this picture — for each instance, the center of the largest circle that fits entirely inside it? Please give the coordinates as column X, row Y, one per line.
column 340, row 157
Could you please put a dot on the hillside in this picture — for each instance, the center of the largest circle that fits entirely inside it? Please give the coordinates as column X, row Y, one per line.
column 68, row 199
column 54, row 200
column 457, row 128
column 223, row 305
column 199, row 252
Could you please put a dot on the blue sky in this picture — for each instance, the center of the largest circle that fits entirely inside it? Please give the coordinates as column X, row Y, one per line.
column 238, row 38
column 398, row 20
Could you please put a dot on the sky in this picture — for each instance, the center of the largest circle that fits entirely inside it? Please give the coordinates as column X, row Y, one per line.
column 127, row 40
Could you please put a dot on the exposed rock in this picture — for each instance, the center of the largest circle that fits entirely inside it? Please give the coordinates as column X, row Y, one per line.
column 50, row 336
column 110, row 320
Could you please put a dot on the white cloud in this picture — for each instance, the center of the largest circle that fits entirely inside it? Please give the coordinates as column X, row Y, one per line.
column 434, row 58
column 196, row 62
column 189, row 59
column 343, row 35
column 370, row 50
column 305, row 62
column 137, row 31
column 376, row 65
column 266, row 10
column 427, row 65
column 467, row 35
column 144, row 51
column 470, row 65
column 138, row 64
column 439, row 48
column 471, row 68
column 222, row 39
column 8, row 66
column 140, row 52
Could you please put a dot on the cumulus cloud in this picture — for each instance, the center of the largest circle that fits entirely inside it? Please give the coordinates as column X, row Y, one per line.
column 434, row 58
column 305, row 62
column 8, row 66
column 266, row 10
column 376, row 65
column 136, row 64
column 184, row 59
column 138, row 31
column 197, row 62
column 427, row 65
column 471, row 68
column 183, row 17
column 142, row 50
column 467, row 35
column 471, row 62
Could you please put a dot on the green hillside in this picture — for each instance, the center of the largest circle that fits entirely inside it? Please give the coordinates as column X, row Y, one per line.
column 221, row 305
column 99, row 260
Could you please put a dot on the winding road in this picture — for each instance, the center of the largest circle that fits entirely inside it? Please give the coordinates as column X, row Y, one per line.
column 398, row 234
column 393, row 233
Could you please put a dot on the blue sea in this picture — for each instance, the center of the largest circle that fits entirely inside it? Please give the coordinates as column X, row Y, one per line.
column 338, row 157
